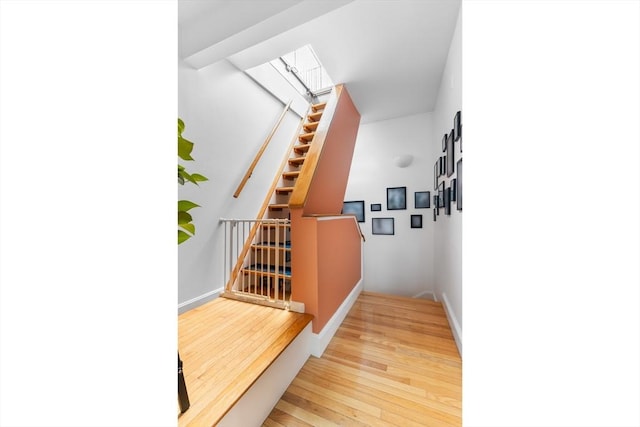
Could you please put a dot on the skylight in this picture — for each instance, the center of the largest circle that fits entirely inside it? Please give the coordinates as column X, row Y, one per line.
column 303, row 70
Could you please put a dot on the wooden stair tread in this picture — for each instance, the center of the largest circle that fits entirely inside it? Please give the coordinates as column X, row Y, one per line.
column 278, row 206
column 310, row 126
column 319, row 106
column 297, row 160
column 301, row 148
column 314, row 117
column 284, row 190
column 306, row 136
column 290, row 174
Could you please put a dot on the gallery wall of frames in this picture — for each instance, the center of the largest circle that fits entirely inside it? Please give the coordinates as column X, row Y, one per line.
column 440, row 199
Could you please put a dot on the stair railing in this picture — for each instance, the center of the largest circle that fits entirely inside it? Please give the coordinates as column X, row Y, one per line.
column 258, row 155
column 264, row 274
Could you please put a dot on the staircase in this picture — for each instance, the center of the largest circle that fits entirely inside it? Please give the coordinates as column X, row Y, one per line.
column 265, row 275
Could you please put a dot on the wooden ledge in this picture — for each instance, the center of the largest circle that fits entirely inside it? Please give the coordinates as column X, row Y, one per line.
column 225, row 346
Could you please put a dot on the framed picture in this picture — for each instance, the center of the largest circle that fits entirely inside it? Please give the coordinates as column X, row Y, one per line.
column 447, row 201
column 396, row 198
column 444, row 143
column 354, row 208
column 382, row 226
column 442, row 165
column 459, row 185
column 441, row 195
column 435, row 199
column 450, row 154
column 375, row 207
column 436, row 174
column 416, row 221
column 434, row 214
column 422, row 199
column 457, row 127
column 453, row 189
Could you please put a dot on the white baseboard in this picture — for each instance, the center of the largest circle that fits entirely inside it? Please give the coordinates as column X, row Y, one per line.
column 422, row 294
column 195, row 302
column 320, row 341
column 455, row 326
column 258, row 402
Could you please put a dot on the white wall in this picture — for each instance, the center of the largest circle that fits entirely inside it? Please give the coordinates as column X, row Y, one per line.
column 401, row 264
column 228, row 116
column 448, row 229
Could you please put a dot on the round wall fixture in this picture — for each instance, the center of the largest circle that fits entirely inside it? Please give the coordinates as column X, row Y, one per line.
column 403, row 161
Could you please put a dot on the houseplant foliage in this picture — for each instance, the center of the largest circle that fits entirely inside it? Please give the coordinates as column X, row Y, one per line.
column 186, row 228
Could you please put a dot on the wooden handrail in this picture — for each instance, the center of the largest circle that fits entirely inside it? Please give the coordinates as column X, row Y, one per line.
column 261, row 151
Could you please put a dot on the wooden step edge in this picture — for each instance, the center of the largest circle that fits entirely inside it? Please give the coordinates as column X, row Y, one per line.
column 278, row 206
column 284, row 190
column 301, row 148
column 318, row 106
column 290, row 174
column 311, row 126
column 314, row 117
column 306, row 136
column 295, row 160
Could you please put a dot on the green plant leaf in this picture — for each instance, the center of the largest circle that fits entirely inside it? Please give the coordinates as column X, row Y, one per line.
column 184, row 148
column 182, row 236
column 180, row 126
column 190, row 227
column 180, row 179
column 186, row 176
column 184, row 218
column 185, row 205
column 199, row 178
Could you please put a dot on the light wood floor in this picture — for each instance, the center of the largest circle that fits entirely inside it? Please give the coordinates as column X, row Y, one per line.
column 225, row 346
column 392, row 362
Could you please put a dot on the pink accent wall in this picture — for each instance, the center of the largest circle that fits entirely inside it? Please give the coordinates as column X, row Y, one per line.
column 326, row 258
column 326, row 264
column 326, row 192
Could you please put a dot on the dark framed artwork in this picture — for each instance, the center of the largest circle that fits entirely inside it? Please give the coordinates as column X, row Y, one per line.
column 354, row 208
column 436, row 174
column 447, row 201
column 375, row 207
column 459, row 185
column 441, row 195
column 435, row 199
column 450, row 154
column 434, row 214
column 416, row 221
column 444, row 143
column 443, row 165
column 454, row 183
column 422, row 199
column 457, row 126
column 382, row 226
column 396, row 198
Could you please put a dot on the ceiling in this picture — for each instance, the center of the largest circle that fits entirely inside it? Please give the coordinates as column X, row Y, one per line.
column 390, row 53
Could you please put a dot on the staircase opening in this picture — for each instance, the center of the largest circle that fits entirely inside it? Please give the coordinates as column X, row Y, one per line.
column 301, row 69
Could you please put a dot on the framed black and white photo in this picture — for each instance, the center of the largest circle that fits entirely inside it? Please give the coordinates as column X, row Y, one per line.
column 454, row 182
column 375, row 207
column 422, row 199
column 459, row 185
column 396, row 198
column 354, row 208
column 443, row 165
column 441, row 195
column 444, row 143
column 416, row 221
column 447, row 201
column 382, row 226
column 457, row 126
column 450, row 154
column 436, row 174
column 434, row 214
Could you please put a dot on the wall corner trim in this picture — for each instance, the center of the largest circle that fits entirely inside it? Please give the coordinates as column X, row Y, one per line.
column 319, row 342
column 426, row 293
column 199, row 300
column 453, row 322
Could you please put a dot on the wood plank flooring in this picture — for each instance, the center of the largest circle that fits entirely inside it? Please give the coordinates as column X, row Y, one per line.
column 225, row 346
column 392, row 362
